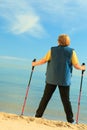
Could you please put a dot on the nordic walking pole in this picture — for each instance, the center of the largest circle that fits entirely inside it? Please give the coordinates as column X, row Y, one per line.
column 77, row 116
column 27, row 89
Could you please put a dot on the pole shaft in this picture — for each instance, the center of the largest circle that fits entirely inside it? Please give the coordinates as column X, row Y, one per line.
column 27, row 89
column 79, row 98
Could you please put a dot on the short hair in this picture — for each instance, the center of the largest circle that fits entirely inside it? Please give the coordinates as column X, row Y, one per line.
column 64, row 40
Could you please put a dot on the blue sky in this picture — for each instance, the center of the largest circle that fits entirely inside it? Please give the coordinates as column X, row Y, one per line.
column 28, row 28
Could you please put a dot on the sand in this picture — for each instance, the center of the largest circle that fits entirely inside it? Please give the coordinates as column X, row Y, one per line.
column 16, row 122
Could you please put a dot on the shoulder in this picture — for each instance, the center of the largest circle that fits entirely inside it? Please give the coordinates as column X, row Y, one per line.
column 74, row 53
column 70, row 48
column 54, row 47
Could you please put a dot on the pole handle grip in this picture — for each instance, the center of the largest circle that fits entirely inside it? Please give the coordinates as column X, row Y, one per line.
column 83, row 70
column 33, row 66
column 83, row 63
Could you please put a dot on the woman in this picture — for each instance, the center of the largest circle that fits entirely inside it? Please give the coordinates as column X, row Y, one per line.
column 60, row 60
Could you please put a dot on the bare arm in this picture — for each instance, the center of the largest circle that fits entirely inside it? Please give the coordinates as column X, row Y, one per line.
column 75, row 62
column 45, row 59
column 39, row 62
column 79, row 67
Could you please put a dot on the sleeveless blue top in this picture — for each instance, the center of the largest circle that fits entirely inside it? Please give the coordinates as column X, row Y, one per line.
column 59, row 68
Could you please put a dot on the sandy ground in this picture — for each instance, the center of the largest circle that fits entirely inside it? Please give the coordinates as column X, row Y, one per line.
column 16, row 122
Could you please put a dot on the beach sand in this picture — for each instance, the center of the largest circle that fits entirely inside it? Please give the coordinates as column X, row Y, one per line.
column 16, row 122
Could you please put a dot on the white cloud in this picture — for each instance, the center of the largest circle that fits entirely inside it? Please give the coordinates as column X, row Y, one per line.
column 11, row 58
column 24, row 23
column 60, row 7
column 15, row 62
column 26, row 16
column 21, row 17
column 68, row 14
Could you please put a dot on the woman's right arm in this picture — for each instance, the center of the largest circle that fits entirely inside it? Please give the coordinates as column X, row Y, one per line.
column 75, row 62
